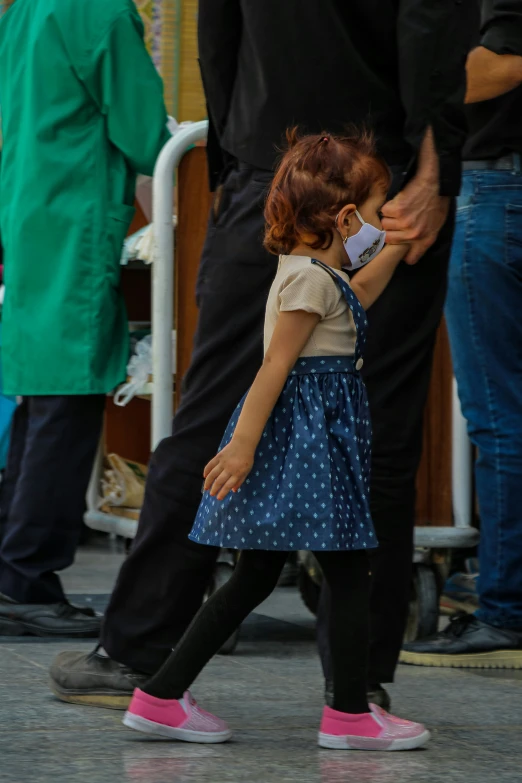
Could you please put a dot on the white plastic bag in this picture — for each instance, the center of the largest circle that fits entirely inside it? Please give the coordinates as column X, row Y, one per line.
column 138, row 370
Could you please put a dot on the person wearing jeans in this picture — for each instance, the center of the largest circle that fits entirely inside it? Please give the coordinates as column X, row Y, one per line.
column 484, row 317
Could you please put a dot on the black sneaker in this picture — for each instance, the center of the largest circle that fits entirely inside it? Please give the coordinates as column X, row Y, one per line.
column 467, row 643
column 62, row 619
column 376, row 695
column 94, row 680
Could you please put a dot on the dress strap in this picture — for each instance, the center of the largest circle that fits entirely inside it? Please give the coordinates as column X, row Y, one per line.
column 358, row 312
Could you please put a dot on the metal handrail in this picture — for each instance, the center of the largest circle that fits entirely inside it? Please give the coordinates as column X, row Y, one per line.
column 163, row 276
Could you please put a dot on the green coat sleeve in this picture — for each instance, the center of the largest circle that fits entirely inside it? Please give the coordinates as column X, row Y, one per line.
column 125, row 85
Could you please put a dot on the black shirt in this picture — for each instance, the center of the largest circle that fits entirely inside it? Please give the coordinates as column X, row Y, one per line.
column 495, row 126
column 396, row 65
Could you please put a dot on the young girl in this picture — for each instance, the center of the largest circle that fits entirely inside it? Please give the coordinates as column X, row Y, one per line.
column 293, row 469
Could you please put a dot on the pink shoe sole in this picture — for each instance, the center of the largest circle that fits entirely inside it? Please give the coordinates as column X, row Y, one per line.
column 374, row 730
column 146, row 726
column 372, row 743
column 175, row 719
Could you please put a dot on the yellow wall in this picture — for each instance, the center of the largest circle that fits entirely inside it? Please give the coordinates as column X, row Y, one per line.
column 191, row 102
column 175, row 53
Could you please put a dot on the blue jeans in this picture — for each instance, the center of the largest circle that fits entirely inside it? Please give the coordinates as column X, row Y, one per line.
column 484, row 316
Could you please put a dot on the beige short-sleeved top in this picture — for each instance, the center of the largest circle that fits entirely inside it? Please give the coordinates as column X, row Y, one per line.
column 301, row 285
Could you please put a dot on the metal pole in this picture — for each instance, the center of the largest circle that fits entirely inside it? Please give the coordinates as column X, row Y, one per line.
column 163, row 275
column 462, row 466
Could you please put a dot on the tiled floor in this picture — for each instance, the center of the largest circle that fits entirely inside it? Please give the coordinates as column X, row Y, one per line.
column 270, row 692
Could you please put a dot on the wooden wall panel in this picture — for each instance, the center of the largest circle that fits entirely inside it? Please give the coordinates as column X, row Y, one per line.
column 194, row 201
column 127, row 430
column 434, row 505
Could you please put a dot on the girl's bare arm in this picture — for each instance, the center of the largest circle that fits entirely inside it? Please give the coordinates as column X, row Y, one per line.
column 370, row 282
column 228, row 470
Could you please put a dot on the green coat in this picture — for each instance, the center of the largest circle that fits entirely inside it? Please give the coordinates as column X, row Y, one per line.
column 82, row 113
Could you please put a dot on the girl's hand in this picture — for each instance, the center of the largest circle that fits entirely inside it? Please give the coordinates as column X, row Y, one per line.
column 228, row 470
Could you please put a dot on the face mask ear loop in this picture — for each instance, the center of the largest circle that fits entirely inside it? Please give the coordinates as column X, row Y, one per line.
column 343, row 239
column 363, row 221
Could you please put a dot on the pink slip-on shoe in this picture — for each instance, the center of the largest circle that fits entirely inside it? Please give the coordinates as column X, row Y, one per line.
column 374, row 730
column 179, row 719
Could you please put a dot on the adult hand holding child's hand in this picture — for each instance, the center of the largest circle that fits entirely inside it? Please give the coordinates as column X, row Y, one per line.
column 415, row 215
column 418, row 212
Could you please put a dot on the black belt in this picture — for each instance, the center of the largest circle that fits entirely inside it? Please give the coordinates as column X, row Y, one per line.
column 507, row 163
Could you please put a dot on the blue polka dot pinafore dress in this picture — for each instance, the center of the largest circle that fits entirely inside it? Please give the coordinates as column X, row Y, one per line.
column 309, row 486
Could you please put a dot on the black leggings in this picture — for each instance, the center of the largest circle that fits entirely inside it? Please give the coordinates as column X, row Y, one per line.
column 254, row 579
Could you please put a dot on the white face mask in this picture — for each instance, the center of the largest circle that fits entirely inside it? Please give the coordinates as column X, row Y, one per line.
column 364, row 245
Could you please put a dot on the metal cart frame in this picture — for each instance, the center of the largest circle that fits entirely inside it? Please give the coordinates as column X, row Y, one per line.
column 163, row 281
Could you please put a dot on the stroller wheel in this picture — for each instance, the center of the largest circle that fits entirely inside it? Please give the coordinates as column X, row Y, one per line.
column 424, row 604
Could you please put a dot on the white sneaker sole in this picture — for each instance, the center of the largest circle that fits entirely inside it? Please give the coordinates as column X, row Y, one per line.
column 370, row 743
column 169, row 732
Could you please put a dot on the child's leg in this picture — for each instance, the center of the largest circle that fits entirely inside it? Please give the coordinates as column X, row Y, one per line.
column 253, row 580
column 348, row 577
column 352, row 724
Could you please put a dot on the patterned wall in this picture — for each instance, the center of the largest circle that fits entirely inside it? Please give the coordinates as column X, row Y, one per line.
column 151, row 13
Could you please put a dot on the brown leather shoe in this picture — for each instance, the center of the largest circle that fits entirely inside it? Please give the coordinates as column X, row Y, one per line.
column 94, row 680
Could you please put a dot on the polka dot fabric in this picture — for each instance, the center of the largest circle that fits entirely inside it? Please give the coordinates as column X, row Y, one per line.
column 309, row 487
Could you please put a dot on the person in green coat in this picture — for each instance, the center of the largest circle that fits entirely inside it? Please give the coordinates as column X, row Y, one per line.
column 82, row 113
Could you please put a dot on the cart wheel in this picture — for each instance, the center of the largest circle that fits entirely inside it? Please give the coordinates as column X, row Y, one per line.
column 309, row 581
column 424, row 605
column 222, row 573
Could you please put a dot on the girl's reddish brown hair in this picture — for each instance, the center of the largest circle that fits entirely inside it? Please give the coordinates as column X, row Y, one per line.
column 318, row 175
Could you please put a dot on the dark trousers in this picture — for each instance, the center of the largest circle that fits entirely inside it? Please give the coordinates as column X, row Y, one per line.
column 162, row 583
column 42, row 497
column 254, row 579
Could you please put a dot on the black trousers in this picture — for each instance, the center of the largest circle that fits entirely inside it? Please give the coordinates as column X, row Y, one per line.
column 162, row 583
column 254, row 579
column 42, row 497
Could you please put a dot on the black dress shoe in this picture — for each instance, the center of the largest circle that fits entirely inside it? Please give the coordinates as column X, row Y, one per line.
column 376, row 695
column 467, row 643
column 94, row 680
column 62, row 619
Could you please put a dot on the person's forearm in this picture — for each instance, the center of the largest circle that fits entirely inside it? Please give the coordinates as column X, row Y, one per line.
column 490, row 75
column 260, row 402
column 370, row 282
column 434, row 39
column 428, row 160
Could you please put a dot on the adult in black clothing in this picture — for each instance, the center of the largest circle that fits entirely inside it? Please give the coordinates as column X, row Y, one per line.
column 398, row 66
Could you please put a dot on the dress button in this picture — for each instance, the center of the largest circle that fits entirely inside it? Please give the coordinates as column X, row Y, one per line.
column 358, row 364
